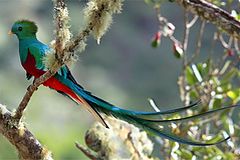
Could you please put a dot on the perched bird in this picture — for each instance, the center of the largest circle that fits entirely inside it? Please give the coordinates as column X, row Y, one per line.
column 32, row 52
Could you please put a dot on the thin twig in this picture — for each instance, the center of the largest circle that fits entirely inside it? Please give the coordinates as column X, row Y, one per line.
column 236, row 45
column 130, row 138
column 224, row 43
column 199, row 42
column 185, row 43
column 185, row 37
column 86, row 151
column 213, row 44
column 192, row 22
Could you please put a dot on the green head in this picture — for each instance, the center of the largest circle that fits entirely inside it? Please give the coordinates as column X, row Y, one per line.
column 24, row 29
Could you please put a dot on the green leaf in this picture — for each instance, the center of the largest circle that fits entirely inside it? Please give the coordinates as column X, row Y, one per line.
column 226, row 87
column 215, row 139
column 228, row 124
column 186, row 154
column 197, row 73
column 229, row 155
column 191, row 79
column 217, row 103
column 209, row 65
column 229, row 75
column 194, row 95
column 203, row 68
column 234, row 95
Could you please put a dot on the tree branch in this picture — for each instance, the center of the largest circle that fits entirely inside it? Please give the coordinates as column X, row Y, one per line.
column 18, row 135
column 214, row 14
column 31, row 89
column 89, row 153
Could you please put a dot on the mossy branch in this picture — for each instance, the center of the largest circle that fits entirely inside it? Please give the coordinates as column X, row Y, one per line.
column 121, row 141
column 18, row 135
column 213, row 14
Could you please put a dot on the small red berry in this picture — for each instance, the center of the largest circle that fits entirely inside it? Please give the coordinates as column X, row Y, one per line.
column 156, row 40
column 230, row 52
column 177, row 50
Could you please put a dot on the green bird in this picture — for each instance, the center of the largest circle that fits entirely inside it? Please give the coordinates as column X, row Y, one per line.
column 32, row 52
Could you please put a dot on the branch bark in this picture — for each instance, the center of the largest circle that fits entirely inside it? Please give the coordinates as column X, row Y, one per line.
column 18, row 135
column 31, row 89
column 214, row 14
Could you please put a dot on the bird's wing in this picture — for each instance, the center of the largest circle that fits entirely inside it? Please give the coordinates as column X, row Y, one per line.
column 39, row 51
column 62, row 75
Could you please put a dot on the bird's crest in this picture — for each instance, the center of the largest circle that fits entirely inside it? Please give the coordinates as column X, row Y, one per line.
column 29, row 23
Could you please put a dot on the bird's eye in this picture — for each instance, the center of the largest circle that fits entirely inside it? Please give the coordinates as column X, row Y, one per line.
column 20, row 28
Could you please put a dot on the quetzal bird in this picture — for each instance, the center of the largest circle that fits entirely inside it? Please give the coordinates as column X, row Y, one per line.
column 32, row 52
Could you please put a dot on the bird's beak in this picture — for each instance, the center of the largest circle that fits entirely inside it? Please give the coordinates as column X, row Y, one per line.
column 10, row 32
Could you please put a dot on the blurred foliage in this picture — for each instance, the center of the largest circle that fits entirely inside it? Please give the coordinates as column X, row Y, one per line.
column 214, row 80
column 131, row 73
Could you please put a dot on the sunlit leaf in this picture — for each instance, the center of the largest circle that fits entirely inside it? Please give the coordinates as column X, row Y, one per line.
column 226, row 87
column 234, row 95
column 194, row 94
column 217, row 103
column 186, row 154
column 215, row 139
column 191, row 79
column 196, row 73
column 203, row 68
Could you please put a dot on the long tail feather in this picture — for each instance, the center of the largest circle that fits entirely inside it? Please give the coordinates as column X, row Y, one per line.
column 143, row 120
column 191, row 117
column 94, row 112
column 106, row 105
column 170, row 136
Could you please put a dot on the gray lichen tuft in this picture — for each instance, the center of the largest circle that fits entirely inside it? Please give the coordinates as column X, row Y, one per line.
column 61, row 19
column 121, row 141
column 3, row 109
column 99, row 14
